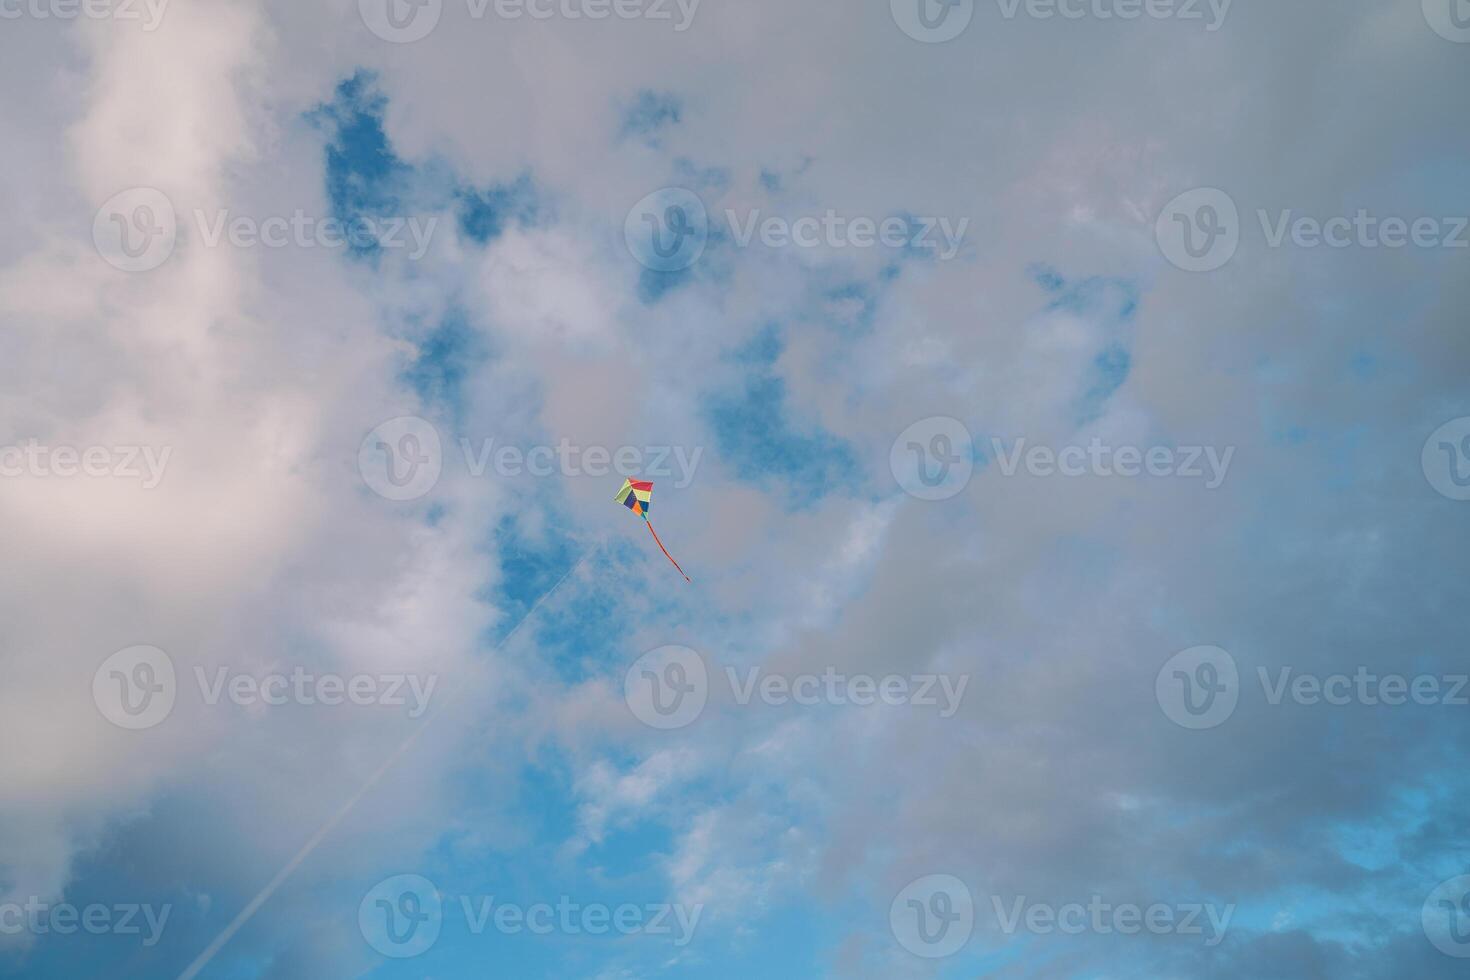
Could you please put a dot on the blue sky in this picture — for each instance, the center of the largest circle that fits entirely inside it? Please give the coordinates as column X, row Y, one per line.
column 391, row 459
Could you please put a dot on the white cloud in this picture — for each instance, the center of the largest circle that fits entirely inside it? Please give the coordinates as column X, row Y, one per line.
column 262, row 372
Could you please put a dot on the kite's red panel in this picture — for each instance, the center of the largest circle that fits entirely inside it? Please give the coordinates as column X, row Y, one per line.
column 642, row 485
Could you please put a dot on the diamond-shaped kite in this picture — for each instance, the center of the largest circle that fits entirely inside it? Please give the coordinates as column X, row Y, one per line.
column 637, row 496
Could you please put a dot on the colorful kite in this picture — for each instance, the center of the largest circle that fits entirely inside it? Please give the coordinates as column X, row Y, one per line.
column 637, row 496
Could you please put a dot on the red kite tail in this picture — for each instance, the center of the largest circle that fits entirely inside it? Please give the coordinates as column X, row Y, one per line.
column 665, row 550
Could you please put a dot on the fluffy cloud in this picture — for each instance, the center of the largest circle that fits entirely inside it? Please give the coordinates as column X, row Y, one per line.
column 791, row 371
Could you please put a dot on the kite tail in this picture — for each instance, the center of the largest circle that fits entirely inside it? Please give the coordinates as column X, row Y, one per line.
column 665, row 550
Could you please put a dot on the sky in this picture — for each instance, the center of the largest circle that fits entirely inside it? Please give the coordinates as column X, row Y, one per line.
column 1059, row 408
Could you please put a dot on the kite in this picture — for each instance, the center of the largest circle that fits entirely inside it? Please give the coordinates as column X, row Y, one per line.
column 637, row 496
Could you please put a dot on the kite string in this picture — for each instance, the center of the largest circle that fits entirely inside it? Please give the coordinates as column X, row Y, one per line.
column 665, row 550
